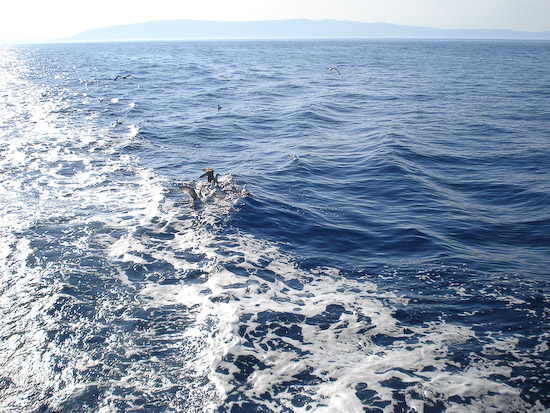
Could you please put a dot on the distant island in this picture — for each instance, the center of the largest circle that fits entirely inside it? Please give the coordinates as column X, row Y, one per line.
column 285, row 29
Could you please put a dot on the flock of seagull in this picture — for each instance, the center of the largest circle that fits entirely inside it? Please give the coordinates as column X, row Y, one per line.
column 209, row 172
column 328, row 69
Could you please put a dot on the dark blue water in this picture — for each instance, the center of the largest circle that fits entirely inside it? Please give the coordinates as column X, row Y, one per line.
column 379, row 239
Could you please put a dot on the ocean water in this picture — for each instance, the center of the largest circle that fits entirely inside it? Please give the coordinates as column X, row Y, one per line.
column 378, row 240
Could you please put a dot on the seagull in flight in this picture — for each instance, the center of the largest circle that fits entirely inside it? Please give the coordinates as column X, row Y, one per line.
column 123, row 77
column 219, row 108
column 209, row 175
column 227, row 77
column 330, row 69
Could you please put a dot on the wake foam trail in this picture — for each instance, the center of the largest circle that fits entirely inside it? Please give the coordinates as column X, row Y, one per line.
column 76, row 336
column 286, row 339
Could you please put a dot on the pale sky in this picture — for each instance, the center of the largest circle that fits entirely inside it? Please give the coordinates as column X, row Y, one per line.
column 51, row 19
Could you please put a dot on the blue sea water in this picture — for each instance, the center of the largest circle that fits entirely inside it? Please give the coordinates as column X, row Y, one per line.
column 378, row 241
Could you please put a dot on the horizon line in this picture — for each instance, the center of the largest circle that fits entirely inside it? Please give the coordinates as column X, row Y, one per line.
column 69, row 38
column 314, row 20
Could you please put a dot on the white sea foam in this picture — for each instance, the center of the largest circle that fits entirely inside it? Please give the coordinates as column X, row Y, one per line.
column 60, row 184
column 280, row 321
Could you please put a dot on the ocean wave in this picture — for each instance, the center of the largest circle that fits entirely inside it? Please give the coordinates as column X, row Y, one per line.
column 353, row 272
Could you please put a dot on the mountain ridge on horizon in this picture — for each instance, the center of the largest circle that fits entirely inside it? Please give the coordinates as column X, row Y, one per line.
column 188, row 29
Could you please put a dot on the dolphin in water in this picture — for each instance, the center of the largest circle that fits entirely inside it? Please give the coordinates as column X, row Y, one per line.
column 190, row 191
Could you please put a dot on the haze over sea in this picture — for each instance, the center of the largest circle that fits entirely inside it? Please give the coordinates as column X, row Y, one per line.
column 378, row 241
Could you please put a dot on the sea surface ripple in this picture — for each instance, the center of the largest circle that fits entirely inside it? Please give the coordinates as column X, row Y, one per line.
column 379, row 239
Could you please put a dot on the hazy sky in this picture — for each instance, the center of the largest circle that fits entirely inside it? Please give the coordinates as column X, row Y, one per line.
column 49, row 19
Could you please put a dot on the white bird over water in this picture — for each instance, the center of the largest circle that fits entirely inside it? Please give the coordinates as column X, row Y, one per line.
column 330, row 69
column 123, row 77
